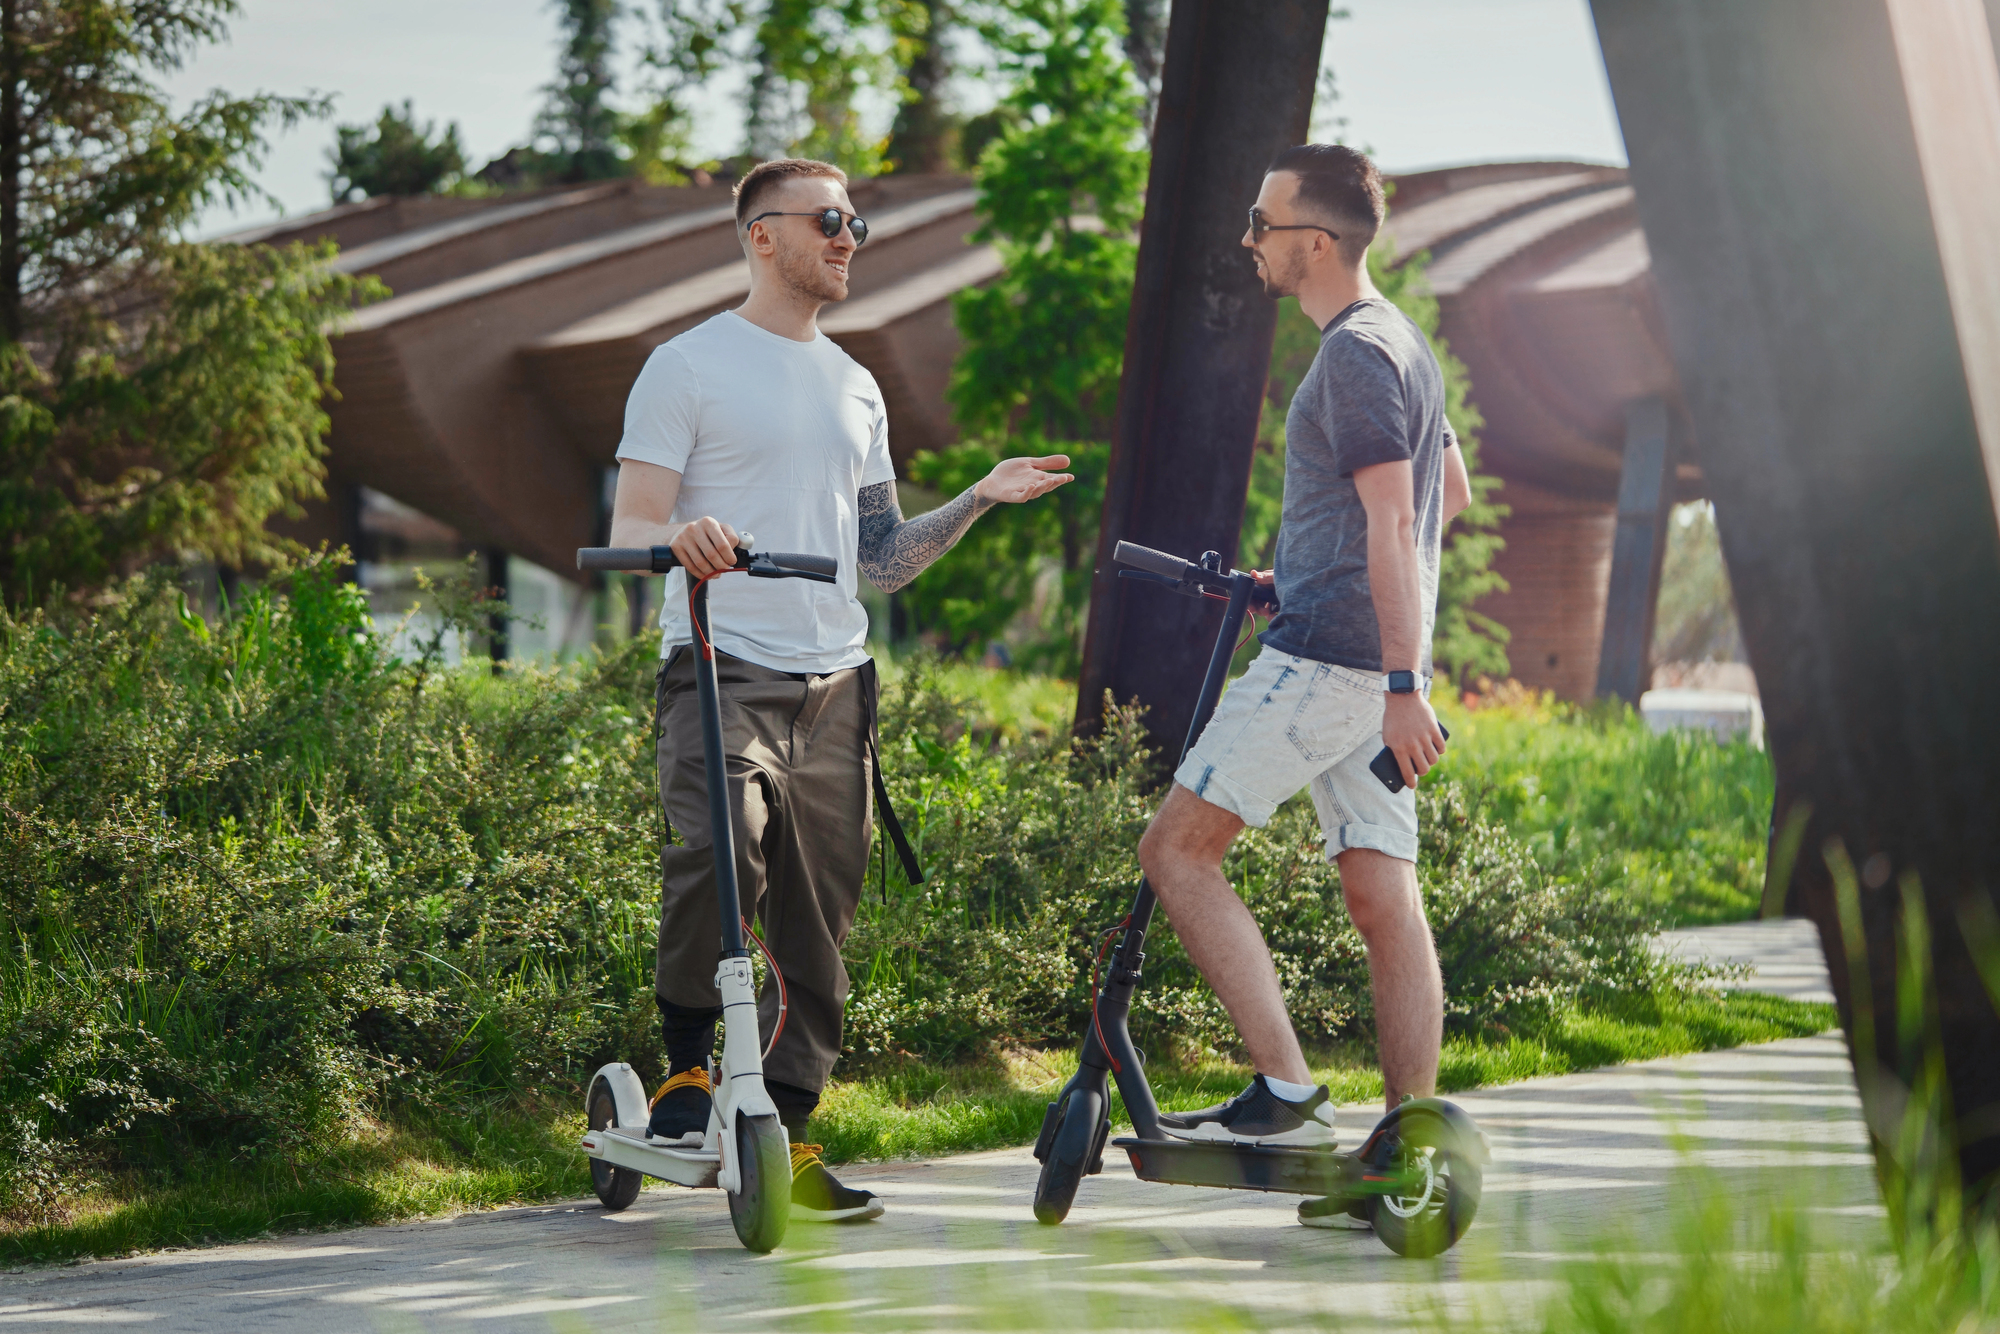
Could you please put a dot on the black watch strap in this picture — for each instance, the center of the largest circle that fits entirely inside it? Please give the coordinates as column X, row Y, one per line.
column 1402, row 683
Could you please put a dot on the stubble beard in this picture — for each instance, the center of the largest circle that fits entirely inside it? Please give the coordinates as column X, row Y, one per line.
column 804, row 272
column 1278, row 282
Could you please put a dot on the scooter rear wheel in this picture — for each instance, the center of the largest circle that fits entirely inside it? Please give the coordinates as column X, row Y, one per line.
column 1069, row 1154
column 1442, row 1195
column 616, row 1187
column 762, row 1207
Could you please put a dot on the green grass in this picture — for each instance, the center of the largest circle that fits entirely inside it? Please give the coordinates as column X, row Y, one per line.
column 523, row 1154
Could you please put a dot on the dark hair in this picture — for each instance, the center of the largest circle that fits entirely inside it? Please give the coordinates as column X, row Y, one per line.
column 1338, row 186
column 765, row 177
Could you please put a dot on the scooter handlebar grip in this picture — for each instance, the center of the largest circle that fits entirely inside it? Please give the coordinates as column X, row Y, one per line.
column 792, row 560
column 1153, row 562
column 615, row 558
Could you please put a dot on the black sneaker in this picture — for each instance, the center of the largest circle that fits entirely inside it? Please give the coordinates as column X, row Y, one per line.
column 1334, row 1212
column 680, row 1110
column 818, row 1198
column 1259, row 1116
column 1184, row 1124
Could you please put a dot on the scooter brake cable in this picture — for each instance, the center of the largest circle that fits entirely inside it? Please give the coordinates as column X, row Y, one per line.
column 1095, row 964
column 775, row 972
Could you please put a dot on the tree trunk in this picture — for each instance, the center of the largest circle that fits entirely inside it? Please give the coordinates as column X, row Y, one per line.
column 1820, row 200
column 11, row 322
column 920, row 140
column 1238, row 87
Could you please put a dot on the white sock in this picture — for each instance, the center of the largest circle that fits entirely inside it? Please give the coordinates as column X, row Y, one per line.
column 1289, row 1091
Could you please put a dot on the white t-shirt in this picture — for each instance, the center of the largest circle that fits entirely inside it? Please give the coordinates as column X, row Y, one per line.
column 775, row 438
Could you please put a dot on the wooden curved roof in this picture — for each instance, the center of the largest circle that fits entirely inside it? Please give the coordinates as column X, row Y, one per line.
column 489, row 391
column 1545, row 291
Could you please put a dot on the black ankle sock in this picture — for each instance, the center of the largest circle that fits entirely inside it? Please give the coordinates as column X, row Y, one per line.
column 795, row 1107
column 689, row 1032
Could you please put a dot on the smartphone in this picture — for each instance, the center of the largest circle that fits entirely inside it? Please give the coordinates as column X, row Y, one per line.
column 1384, row 766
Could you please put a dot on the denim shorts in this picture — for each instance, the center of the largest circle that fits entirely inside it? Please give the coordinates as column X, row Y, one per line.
column 1290, row 722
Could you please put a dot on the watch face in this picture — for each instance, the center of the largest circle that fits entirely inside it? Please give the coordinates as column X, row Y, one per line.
column 1402, row 683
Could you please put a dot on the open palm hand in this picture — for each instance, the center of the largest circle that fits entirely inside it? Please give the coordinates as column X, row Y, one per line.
column 1016, row 480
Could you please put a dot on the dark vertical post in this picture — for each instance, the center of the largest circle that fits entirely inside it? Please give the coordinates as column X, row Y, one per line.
column 1238, row 87
column 496, row 584
column 1820, row 189
column 1645, row 494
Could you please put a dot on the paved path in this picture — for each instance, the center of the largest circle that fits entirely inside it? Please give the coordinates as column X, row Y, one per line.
column 1784, row 955
column 1581, row 1161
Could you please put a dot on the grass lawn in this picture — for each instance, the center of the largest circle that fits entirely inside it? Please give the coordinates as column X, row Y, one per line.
column 525, row 1154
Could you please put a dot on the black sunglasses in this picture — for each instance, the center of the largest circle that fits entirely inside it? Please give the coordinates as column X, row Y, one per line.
column 1258, row 226
column 829, row 222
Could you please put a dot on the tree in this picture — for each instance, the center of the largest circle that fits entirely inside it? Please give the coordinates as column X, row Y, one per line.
column 578, row 122
column 399, row 157
column 925, row 133
column 687, row 44
column 811, row 59
column 156, row 397
column 1059, row 194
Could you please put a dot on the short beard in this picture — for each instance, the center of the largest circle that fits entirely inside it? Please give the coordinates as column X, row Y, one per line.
column 807, row 277
column 1281, row 283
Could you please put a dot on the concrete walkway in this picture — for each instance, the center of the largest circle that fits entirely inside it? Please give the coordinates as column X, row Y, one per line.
column 1581, row 1162
column 1783, row 956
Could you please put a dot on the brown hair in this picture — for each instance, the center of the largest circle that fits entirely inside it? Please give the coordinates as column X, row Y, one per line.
column 1339, row 186
column 765, row 177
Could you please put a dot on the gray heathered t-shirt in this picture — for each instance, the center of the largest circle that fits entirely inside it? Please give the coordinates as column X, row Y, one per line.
column 1374, row 394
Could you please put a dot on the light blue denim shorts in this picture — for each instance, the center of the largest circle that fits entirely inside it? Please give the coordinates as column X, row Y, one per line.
column 1290, row 722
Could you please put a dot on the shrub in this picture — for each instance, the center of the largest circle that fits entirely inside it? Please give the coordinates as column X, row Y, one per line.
column 264, row 882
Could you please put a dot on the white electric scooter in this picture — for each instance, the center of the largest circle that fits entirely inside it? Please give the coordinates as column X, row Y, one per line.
column 745, row 1150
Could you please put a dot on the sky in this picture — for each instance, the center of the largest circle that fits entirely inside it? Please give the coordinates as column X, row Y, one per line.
column 1422, row 83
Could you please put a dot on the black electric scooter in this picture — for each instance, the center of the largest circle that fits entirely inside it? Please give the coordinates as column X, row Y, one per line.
column 745, row 1150
column 1417, row 1176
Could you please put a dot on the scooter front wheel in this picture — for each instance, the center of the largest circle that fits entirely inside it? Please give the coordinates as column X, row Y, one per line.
column 763, row 1205
column 1069, row 1154
column 1440, row 1194
column 616, row 1187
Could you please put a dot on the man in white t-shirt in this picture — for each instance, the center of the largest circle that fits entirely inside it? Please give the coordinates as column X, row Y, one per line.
column 755, row 422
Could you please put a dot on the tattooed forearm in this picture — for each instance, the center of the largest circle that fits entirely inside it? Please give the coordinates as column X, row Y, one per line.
column 895, row 550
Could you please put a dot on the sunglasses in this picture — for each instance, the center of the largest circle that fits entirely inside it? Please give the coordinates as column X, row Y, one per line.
column 1258, row 226
column 829, row 222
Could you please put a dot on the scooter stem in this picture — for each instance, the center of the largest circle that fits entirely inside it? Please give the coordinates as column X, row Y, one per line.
column 722, row 829
column 1115, row 1051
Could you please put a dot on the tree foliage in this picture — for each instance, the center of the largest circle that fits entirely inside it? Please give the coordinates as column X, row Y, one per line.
column 394, row 156
column 1059, row 195
column 156, row 397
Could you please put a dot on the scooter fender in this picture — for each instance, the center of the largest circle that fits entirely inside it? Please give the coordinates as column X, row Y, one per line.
column 627, row 1093
column 740, row 1087
column 1375, row 1150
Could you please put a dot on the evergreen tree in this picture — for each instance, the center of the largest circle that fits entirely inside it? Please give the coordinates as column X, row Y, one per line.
column 155, row 396
column 1059, row 193
column 578, row 122
column 395, row 156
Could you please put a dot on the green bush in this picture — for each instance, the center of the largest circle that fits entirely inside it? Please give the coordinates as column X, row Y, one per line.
column 1675, row 820
column 264, row 882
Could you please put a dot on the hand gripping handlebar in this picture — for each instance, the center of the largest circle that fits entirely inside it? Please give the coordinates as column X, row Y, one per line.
column 1203, row 578
column 756, row 564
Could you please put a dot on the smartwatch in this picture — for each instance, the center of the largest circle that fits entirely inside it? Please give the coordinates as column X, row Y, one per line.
column 1402, row 683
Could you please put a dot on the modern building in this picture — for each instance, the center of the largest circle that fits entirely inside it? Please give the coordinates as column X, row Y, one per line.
column 479, row 406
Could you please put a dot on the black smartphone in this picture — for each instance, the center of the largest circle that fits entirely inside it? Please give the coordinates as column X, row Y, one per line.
column 1384, row 766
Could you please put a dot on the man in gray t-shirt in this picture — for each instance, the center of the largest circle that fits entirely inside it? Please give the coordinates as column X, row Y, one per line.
column 1372, row 475
column 1373, row 395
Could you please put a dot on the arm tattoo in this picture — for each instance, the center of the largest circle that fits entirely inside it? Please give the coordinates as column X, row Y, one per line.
column 895, row 550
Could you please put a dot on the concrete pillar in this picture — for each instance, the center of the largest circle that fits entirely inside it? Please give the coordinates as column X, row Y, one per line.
column 1645, row 494
column 1238, row 87
column 1557, row 564
column 1820, row 189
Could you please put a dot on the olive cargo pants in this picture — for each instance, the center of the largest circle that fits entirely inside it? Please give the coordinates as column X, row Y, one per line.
column 799, row 787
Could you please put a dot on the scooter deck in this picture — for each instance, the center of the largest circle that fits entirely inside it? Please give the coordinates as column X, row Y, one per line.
column 624, row 1148
column 1246, row 1167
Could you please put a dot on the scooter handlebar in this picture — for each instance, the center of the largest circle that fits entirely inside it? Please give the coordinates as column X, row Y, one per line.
column 1153, row 562
column 760, row 564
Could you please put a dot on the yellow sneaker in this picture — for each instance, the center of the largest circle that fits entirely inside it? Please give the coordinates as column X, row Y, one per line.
column 818, row 1198
column 680, row 1110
